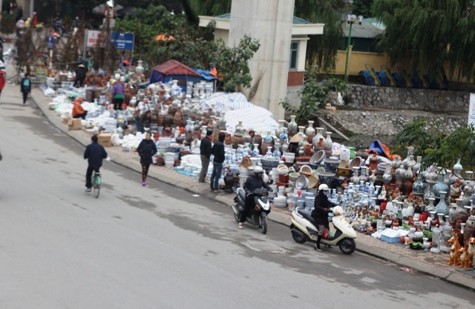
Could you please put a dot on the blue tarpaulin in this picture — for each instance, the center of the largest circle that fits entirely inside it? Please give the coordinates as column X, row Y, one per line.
column 205, row 74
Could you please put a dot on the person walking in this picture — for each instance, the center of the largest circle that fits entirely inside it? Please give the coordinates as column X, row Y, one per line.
column 205, row 155
column 25, row 87
column 2, row 81
column 218, row 152
column 94, row 154
column 146, row 149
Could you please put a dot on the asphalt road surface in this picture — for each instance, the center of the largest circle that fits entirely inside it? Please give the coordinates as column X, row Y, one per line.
column 161, row 247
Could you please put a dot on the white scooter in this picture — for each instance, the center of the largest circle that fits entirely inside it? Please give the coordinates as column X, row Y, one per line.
column 256, row 216
column 303, row 228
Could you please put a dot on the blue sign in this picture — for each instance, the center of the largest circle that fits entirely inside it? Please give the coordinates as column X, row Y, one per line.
column 123, row 40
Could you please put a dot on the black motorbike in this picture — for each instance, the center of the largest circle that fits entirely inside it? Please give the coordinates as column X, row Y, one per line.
column 256, row 216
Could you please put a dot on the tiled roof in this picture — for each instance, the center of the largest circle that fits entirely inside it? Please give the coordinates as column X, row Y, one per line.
column 296, row 20
column 173, row 67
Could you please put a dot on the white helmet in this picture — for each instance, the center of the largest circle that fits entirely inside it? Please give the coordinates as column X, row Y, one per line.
column 258, row 169
column 323, row 187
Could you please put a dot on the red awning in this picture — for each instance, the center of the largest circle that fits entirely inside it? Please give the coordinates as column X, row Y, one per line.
column 173, row 67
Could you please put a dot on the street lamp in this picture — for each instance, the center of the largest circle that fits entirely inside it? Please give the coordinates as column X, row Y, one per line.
column 350, row 19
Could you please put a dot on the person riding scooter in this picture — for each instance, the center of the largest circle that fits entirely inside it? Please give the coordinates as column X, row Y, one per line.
column 320, row 212
column 254, row 181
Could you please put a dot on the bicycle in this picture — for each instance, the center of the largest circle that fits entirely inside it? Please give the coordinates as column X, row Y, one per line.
column 96, row 183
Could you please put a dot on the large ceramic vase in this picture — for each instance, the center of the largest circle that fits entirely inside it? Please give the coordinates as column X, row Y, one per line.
column 239, row 129
column 418, row 187
column 310, row 131
column 440, row 185
column 292, row 127
column 328, row 144
column 457, row 168
column 442, row 207
column 317, row 137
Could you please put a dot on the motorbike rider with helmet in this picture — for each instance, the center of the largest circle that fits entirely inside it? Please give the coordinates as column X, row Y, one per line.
column 320, row 212
column 254, row 181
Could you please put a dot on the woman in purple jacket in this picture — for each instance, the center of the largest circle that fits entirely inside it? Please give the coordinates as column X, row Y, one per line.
column 118, row 95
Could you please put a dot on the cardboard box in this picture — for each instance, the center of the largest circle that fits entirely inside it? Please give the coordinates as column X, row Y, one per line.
column 105, row 139
column 74, row 124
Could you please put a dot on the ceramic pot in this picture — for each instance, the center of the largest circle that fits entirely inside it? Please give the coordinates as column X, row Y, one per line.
column 292, row 127
column 317, row 136
column 440, row 185
column 328, row 144
column 345, row 154
column 310, row 131
column 418, row 186
column 457, row 168
column 442, row 207
column 239, row 129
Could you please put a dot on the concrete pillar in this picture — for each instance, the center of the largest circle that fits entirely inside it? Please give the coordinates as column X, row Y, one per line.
column 269, row 21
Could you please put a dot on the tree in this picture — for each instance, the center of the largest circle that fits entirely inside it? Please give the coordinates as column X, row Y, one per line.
column 210, row 7
column 313, row 96
column 362, row 7
column 322, row 49
column 192, row 45
column 232, row 63
column 435, row 144
column 429, row 34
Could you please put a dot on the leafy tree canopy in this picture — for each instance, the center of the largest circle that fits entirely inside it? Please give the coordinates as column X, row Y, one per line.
column 322, row 49
column 192, row 45
column 429, row 34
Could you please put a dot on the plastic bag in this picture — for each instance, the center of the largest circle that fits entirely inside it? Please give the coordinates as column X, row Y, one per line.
column 326, row 234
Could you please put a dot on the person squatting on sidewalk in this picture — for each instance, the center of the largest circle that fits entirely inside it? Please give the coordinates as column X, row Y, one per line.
column 25, row 87
column 146, row 149
column 78, row 111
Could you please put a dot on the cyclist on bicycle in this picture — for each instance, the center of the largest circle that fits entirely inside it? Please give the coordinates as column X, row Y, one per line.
column 94, row 154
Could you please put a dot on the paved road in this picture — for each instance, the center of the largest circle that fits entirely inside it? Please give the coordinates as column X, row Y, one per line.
column 154, row 247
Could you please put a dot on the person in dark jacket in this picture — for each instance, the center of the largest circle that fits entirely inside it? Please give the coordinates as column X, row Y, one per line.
column 145, row 121
column 320, row 212
column 205, row 155
column 254, row 181
column 25, row 87
column 218, row 152
column 94, row 154
column 80, row 76
column 146, row 149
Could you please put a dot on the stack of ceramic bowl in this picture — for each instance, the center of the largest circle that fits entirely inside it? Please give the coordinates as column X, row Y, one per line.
column 283, row 172
column 301, row 182
column 325, row 177
column 273, row 193
column 289, row 157
column 313, row 181
column 309, row 201
column 280, row 201
column 292, row 178
column 306, row 170
column 317, row 159
column 331, row 164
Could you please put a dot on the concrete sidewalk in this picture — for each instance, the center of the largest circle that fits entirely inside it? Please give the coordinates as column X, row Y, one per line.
column 409, row 260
